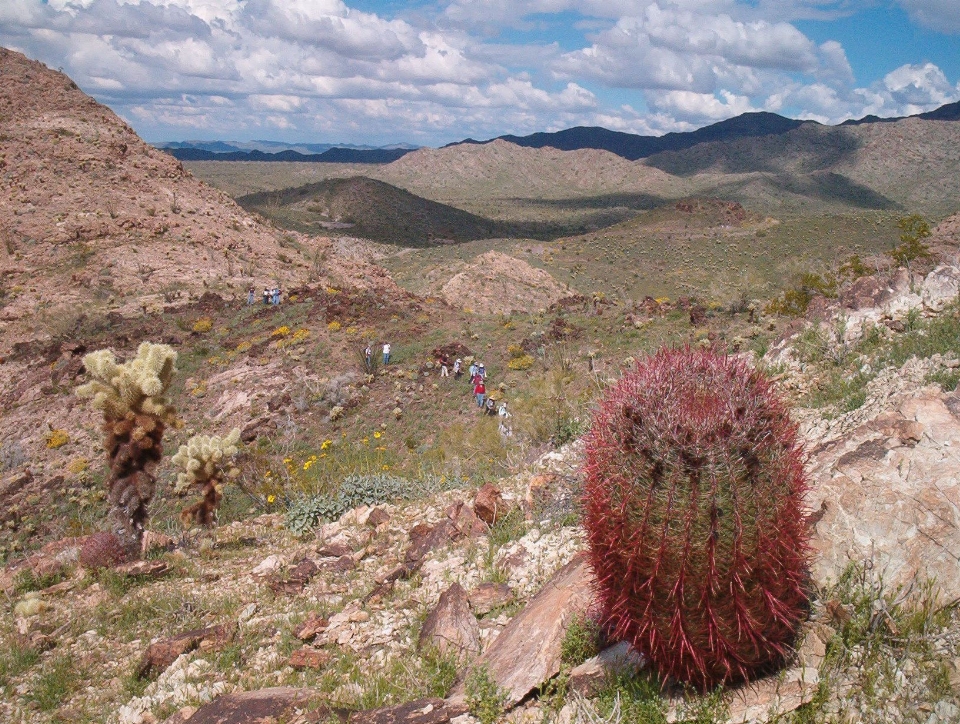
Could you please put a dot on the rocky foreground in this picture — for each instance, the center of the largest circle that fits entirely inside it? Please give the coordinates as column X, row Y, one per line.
column 382, row 615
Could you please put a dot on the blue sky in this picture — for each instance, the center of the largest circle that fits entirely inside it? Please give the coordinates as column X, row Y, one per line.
column 381, row 71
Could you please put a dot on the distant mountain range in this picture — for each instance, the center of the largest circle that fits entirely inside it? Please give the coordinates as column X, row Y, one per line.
column 331, row 155
column 634, row 147
column 627, row 145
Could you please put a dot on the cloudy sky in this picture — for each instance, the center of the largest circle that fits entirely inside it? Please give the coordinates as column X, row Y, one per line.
column 383, row 71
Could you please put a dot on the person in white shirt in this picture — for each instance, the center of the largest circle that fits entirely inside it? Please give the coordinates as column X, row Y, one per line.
column 386, row 353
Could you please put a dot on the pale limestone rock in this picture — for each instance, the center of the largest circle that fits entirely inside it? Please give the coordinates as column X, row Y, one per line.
column 877, row 497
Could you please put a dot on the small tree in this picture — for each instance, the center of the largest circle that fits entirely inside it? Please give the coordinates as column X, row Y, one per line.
column 136, row 411
column 913, row 230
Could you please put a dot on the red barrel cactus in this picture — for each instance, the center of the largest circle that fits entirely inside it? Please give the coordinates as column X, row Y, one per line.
column 693, row 510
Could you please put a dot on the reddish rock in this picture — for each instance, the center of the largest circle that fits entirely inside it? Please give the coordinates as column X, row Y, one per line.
column 377, row 517
column 297, row 579
column 266, row 706
column 315, row 624
column 465, row 520
column 421, row 711
column 335, row 550
column 142, row 569
column 338, row 565
column 488, row 596
column 425, row 538
column 527, row 651
column 489, row 504
column 450, row 627
column 161, row 654
column 307, row 657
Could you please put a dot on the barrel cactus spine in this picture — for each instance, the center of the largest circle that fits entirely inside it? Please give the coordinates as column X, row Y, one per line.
column 693, row 509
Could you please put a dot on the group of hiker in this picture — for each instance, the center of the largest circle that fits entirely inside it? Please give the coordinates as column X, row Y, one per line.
column 269, row 296
column 477, row 376
column 368, row 355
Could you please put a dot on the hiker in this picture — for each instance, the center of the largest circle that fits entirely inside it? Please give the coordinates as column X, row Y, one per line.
column 368, row 357
column 458, row 369
column 480, row 390
column 472, row 371
column 481, row 371
column 502, row 413
column 444, row 372
column 266, row 295
column 251, row 295
column 276, row 296
column 491, row 407
column 386, row 353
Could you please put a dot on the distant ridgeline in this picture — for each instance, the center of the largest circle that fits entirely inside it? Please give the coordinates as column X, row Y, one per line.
column 634, row 147
column 333, row 155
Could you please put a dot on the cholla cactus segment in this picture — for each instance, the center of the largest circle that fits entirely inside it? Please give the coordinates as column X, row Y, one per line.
column 203, row 457
column 135, row 386
column 204, row 460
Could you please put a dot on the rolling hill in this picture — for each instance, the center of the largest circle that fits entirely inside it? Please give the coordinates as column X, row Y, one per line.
column 371, row 209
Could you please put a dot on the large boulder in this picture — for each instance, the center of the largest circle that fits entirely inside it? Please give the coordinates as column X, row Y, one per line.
column 940, row 287
column 888, row 493
column 527, row 651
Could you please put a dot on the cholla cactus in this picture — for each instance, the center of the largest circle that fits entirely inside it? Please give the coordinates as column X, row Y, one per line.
column 135, row 414
column 203, row 460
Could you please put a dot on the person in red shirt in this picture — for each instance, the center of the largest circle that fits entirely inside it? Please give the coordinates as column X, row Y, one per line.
column 480, row 391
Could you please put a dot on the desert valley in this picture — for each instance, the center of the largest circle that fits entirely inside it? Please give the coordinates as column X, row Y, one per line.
column 382, row 550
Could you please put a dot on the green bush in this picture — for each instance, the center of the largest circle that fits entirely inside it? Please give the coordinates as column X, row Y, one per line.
column 485, row 700
column 356, row 490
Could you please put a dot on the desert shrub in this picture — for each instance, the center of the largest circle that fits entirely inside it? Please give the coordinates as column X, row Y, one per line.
column 102, row 550
column 914, row 230
column 485, row 700
column 56, row 439
column 523, row 362
column 132, row 397
column 693, row 509
column 516, row 350
column 581, row 641
column 854, row 268
column 356, row 490
column 795, row 300
column 203, row 325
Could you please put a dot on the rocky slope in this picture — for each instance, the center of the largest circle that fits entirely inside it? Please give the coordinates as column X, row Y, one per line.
column 91, row 217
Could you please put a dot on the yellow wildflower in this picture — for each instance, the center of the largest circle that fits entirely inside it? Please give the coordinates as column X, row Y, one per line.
column 378, row 434
column 271, row 499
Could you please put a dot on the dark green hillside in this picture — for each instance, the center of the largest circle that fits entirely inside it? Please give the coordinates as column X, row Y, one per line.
column 371, row 209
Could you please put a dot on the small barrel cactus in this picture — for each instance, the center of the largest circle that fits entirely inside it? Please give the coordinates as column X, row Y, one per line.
column 693, row 509
column 205, row 463
column 102, row 550
column 132, row 397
